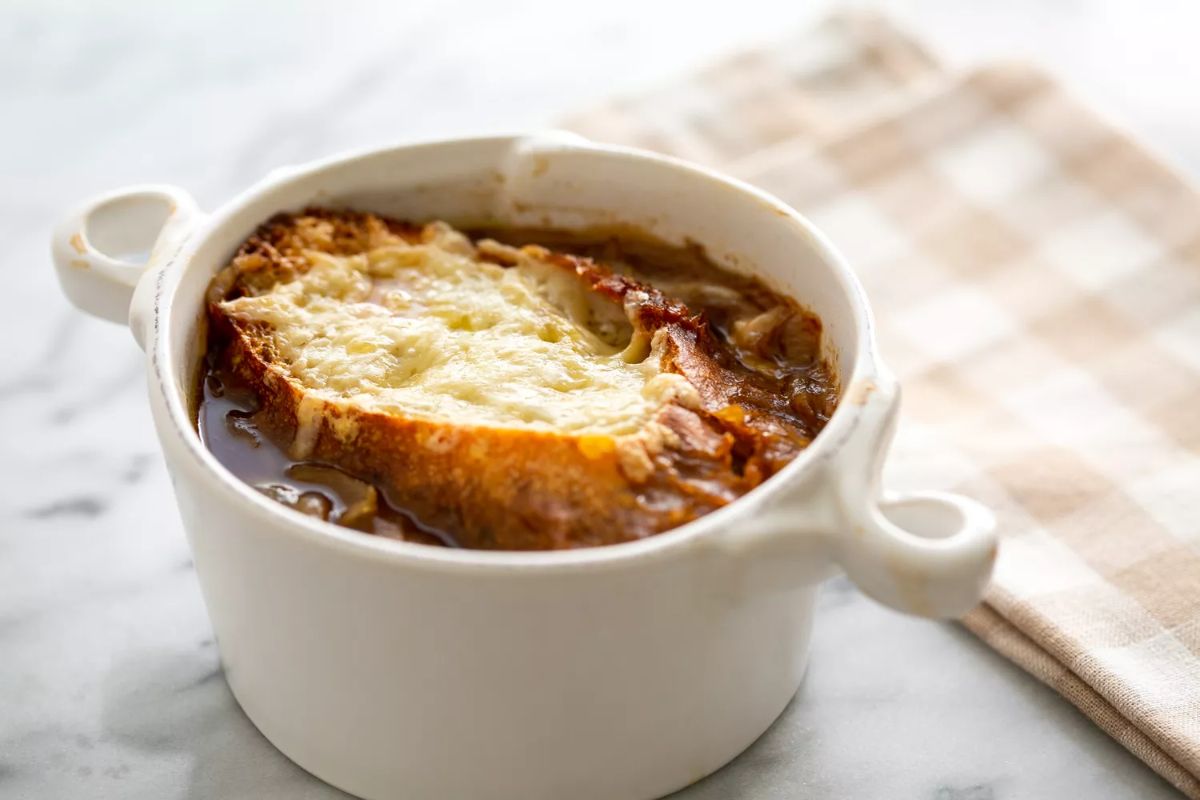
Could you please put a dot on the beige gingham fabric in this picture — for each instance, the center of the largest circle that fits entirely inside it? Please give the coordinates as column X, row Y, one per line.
column 1036, row 276
column 847, row 69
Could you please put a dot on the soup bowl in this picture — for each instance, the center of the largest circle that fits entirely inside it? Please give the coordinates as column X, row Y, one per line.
column 390, row 668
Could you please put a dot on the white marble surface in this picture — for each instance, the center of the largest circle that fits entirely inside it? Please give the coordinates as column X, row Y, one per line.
column 109, row 680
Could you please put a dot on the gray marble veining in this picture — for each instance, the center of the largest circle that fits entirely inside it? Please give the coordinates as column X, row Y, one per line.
column 110, row 685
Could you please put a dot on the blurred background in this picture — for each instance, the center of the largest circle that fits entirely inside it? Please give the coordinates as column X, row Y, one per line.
column 107, row 667
column 212, row 94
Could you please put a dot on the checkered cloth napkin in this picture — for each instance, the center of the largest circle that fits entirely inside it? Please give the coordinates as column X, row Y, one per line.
column 1036, row 276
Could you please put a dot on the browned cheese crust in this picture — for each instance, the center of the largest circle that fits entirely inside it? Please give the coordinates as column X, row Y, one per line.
column 523, row 489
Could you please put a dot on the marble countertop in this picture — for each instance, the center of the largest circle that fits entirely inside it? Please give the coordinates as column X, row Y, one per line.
column 110, row 685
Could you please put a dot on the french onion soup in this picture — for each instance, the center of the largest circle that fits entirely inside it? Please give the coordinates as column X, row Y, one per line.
column 501, row 389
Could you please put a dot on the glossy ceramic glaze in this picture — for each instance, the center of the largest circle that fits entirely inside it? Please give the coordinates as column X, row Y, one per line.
column 393, row 669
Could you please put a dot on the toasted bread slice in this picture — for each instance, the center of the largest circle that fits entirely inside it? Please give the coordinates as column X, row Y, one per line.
column 510, row 397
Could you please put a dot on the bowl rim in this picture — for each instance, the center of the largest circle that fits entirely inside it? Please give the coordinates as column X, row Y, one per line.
column 167, row 378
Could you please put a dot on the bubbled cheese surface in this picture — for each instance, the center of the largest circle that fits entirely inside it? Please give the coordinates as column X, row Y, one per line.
column 432, row 330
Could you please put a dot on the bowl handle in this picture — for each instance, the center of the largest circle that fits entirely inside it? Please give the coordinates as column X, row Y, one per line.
column 923, row 553
column 103, row 248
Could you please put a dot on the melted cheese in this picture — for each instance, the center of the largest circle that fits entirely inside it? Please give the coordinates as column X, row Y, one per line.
column 431, row 330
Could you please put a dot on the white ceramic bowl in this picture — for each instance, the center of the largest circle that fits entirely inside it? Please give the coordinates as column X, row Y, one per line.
column 392, row 669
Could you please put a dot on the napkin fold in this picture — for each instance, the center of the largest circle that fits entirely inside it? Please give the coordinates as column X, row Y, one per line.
column 1036, row 278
